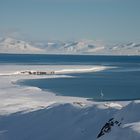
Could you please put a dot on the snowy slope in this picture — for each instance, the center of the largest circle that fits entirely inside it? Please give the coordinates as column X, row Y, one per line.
column 129, row 118
column 66, row 121
column 61, row 122
column 10, row 45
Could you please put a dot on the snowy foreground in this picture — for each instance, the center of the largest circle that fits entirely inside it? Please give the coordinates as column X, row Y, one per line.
column 28, row 113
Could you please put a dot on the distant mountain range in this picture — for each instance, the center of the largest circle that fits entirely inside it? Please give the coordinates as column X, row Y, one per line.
column 10, row 45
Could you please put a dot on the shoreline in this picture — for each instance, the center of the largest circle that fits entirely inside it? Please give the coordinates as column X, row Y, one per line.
column 14, row 96
column 34, row 110
column 17, row 76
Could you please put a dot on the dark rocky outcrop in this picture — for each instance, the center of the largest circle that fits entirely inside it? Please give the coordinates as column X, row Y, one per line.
column 108, row 126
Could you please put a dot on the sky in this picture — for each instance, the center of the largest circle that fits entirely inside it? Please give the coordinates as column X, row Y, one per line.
column 108, row 20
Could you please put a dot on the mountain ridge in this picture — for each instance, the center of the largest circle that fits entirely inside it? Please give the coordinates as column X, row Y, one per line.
column 88, row 47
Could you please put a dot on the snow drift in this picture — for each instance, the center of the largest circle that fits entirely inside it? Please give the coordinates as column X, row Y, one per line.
column 70, row 122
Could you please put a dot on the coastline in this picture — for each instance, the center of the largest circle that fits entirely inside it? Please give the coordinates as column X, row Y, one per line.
column 24, row 107
column 12, row 94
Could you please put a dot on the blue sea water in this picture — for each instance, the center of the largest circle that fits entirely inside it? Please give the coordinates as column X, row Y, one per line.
column 120, row 83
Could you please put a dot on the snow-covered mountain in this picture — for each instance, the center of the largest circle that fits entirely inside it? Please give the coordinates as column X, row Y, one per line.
column 130, row 48
column 73, row 47
column 84, row 46
column 10, row 45
column 92, row 47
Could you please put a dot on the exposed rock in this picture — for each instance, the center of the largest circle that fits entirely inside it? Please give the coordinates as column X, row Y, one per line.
column 108, row 126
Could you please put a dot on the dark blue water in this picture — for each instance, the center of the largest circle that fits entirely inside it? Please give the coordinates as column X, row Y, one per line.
column 114, row 85
column 120, row 83
column 66, row 59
